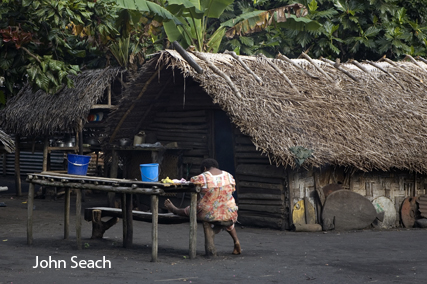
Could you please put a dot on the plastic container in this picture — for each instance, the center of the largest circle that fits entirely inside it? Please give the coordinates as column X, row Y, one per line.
column 149, row 172
column 78, row 164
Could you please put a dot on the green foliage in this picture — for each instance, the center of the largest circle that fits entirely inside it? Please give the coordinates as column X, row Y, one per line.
column 348, row 29
column 41, row 40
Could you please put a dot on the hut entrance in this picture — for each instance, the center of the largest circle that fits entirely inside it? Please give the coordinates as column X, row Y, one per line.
column 223, row 142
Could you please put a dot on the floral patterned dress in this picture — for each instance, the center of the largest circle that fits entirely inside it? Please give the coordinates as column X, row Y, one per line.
column 216, row 202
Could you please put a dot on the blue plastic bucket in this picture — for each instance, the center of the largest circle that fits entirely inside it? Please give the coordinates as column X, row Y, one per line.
column 149, row 172
column 78, row 164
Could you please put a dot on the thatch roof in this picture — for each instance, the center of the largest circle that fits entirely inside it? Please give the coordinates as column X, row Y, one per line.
column 37, row 113
column 375, row 120
column 6, row 142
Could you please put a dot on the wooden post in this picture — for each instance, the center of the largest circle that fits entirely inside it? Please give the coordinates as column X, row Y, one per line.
column 30, row 204
column 124, row 219
column 210, row 249
column 113, row 174
column 79, row 217
column 67, row 213
column 193, row 225
column 17, row 168
column 154, row 229
column 45, row 153
column 127, row 211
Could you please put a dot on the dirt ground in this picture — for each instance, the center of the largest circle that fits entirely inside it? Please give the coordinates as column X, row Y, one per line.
column 269, row 256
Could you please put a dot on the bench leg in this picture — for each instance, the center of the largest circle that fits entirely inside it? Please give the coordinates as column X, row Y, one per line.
column 99, row 227
column 210, row 249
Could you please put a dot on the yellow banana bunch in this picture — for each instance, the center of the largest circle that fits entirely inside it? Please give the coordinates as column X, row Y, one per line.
column 166, row 180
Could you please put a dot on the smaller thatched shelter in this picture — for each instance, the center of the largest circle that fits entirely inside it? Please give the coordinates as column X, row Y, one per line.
column 39, row 114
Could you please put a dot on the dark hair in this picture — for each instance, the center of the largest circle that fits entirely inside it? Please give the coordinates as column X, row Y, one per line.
column 208, row 163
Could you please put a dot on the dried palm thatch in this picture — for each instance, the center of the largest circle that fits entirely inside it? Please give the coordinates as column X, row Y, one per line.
column 6, row 142
column 32, row 114
column 362, row 115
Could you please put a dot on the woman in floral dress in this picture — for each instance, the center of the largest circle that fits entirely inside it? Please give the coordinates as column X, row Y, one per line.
column 216, row 201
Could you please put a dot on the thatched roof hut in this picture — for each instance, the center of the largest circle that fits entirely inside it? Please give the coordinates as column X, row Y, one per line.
column 37, row 113
column 6, row 142
column 364, row 115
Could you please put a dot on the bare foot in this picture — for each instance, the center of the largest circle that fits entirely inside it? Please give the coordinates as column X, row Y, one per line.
column 237, row 249
column 169, row 205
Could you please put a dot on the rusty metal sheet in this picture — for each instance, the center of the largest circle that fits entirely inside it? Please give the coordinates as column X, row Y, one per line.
column 422, row 205
column 408, row 211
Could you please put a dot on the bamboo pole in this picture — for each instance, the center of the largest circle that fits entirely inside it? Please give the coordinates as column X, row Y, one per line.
column 133, row 104
column 142, row 118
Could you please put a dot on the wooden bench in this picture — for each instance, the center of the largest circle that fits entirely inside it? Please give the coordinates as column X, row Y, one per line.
column 94, row 215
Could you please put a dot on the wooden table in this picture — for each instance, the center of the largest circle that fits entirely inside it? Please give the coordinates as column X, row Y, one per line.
column 123, row 186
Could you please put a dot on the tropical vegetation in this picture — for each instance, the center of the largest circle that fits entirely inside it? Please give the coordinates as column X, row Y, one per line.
column 43, row 41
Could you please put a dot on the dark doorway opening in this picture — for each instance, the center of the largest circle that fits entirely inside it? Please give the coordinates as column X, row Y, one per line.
column 223, row 141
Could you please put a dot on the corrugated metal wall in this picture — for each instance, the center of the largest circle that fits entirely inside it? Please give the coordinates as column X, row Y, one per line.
column 32, row 162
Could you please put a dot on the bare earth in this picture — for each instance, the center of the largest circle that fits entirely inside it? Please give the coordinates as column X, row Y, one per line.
column 268, row 256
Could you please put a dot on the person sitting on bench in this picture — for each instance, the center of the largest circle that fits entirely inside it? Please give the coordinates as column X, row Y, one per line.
column 216, row 201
